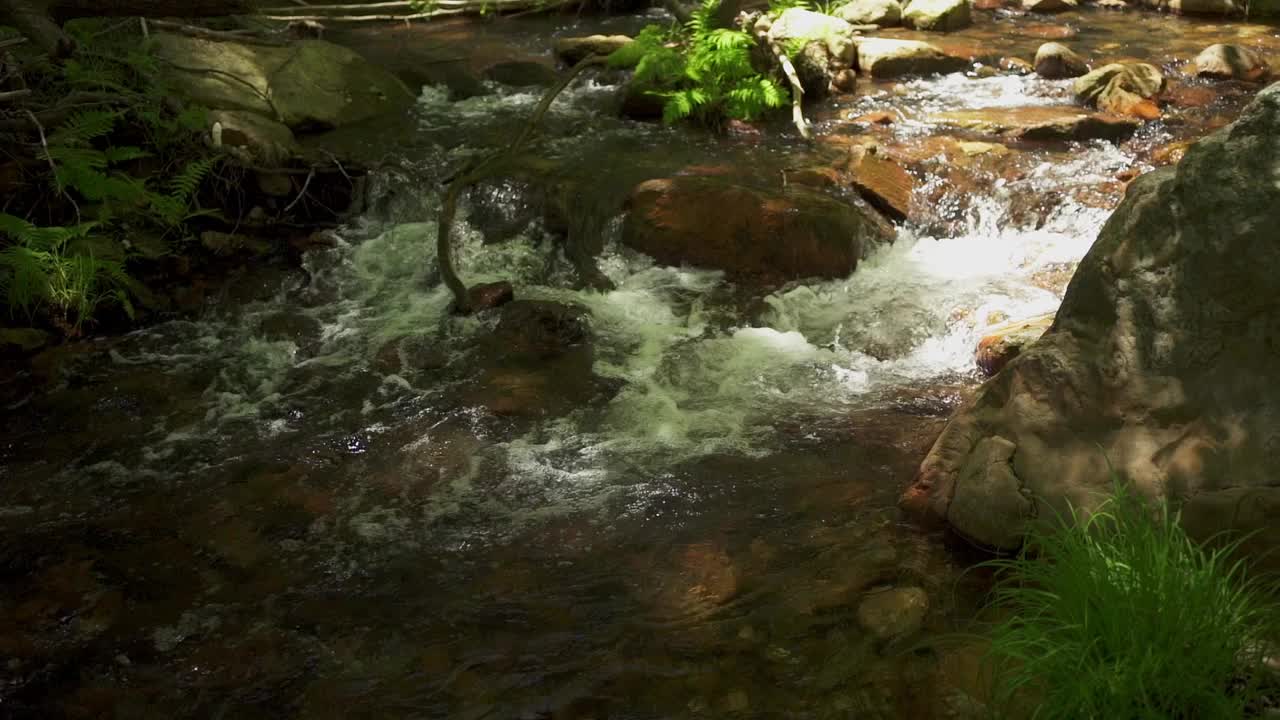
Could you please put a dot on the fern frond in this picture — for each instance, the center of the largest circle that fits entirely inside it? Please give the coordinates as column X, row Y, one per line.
column 124, row 154
column 184, row 185
column 82, row 127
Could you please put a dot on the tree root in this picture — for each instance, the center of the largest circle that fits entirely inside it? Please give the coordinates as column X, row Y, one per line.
column 482, row 169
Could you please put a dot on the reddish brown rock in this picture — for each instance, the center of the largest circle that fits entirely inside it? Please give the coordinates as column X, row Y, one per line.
column 1189, row 96
column 490, row 295
column 751, row 233
column 879, row 117
column 1004, row 342
column 882, row 182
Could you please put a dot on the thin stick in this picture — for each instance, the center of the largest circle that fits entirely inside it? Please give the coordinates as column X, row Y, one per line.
column 14, row 94
column 44, row 145
column 482, row 169
column 302, row 192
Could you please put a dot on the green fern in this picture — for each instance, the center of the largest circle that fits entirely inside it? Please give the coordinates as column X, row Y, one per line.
column 62, row 273
column 39, row 273
column 708, row 77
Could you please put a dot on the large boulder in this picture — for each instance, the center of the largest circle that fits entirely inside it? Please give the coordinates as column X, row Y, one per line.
column 885, row 58
column 1161, row 363
column 767, row 235
column 1231, row 62
column 827, row 47
column 307, row 85
column 1056, row 61
column 884, row 13
column 943, row 15
column 1122, row 88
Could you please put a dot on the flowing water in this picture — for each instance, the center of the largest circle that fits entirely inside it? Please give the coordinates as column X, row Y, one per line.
column 327, row 497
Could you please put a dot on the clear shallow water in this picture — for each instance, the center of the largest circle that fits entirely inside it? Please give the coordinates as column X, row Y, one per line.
column 327, row 497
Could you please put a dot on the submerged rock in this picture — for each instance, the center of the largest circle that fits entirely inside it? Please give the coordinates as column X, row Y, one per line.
column 768, row 235
column 1040, row 123
column 894, row 613
column 1122, row 88
column 1161, row 363
column 883, row 13
column 885, row 58
column 572, row 50
column 1056, row 61
column 944, row 15
column 1231, row 62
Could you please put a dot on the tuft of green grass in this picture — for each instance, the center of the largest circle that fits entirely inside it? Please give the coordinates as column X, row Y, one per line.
column 1119, row 615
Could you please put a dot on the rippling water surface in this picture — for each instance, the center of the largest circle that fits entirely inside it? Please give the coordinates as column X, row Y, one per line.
column 328, row 497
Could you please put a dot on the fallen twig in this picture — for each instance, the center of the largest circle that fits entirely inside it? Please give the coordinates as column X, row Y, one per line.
column 303, row 192
column 483, row 168
column 14, row 94
column 220, row 35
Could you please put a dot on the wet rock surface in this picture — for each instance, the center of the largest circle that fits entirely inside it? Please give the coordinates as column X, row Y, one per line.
column 1162, row 321
column 1055, row 60
column 768, row 235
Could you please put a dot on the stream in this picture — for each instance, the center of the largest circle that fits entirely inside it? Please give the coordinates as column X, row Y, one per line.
column 328, row 497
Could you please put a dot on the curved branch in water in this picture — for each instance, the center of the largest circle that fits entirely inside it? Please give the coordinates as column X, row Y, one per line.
column 488, row 167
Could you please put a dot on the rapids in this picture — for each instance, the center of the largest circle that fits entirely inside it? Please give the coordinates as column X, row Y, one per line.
column 325, row 497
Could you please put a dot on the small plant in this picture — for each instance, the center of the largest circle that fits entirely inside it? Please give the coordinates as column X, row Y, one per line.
column 1120, row 615
column 117, row 173
column 39, row 271
column 703, row 73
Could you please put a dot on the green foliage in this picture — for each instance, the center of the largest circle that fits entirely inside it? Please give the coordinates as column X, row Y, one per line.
column 703, row 72
column 1120, row 615
column 39, row 272
column 116, row 171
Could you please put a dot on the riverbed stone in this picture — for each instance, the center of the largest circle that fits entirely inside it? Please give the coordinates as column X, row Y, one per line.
column 941, row 15
column 572, row 50
column 1049, row 6
column 1231, row 62
column 27, row 340
column 1056, row 61
column 753, row 234
column 881, row 181
column 309, row 85
column 882, row 13
column 894, row 612
column 1161, row 363
column 1122, row 88
column 1040, row 123
column 888, row 58
column 1006, row 341
column 1197, row 7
